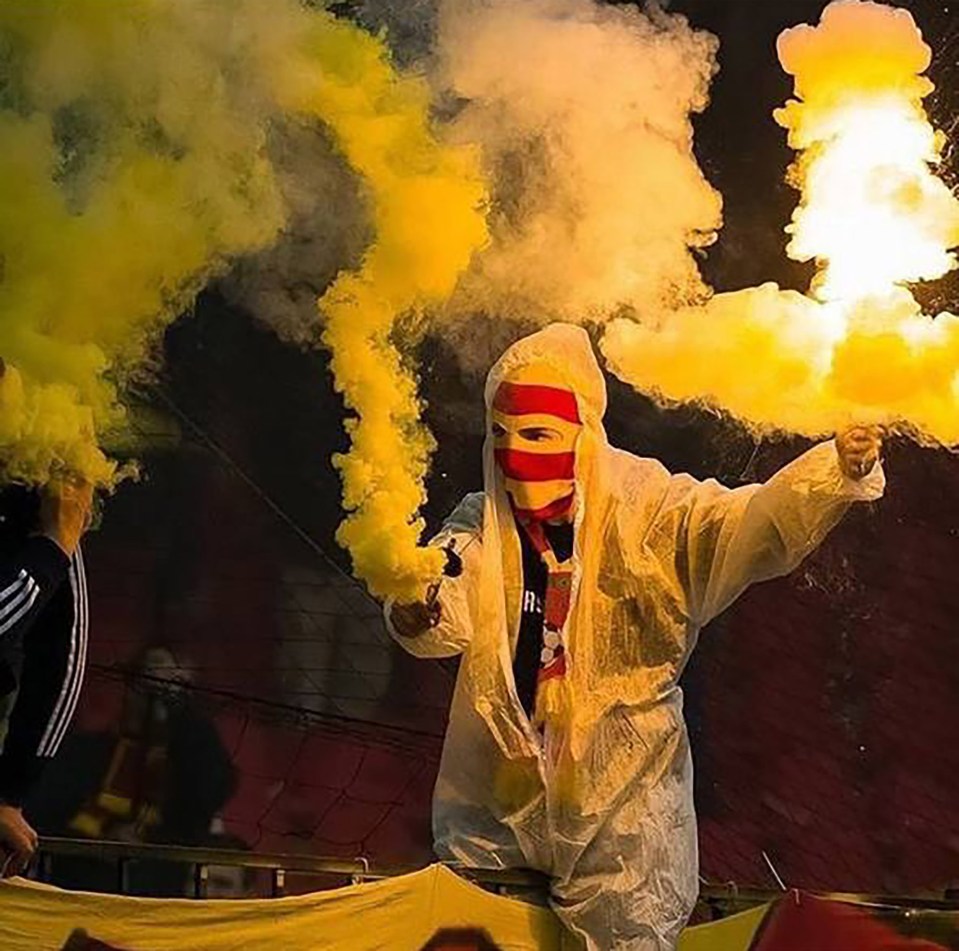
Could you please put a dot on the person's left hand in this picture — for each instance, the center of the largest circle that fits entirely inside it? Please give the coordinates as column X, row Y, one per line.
column 18, row 841
column 858, row 449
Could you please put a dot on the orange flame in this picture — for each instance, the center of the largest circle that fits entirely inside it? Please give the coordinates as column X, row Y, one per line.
column 873, row 216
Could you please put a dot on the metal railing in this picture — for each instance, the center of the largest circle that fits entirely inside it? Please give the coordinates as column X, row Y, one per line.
column 122, row 854
column 719, row 900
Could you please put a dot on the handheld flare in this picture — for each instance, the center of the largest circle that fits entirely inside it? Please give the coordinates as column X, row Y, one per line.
column 873, row 216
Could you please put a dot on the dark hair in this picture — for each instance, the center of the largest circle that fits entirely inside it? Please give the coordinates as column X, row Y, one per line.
column 473, row 938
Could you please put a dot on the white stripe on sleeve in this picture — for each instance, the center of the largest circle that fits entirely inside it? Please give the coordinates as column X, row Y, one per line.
column 76, row 663
column 17, row 583
column 15, row 609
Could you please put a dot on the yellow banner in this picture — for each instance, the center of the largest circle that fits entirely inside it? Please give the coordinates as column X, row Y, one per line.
column 734, row 933
column 430, row 910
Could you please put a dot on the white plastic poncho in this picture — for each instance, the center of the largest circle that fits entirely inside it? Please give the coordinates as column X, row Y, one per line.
column 604, row 803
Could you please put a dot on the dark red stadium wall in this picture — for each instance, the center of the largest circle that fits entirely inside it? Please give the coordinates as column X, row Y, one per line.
column 823, row 707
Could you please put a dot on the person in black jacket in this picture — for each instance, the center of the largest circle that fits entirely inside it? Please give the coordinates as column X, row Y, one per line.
column 43, row 642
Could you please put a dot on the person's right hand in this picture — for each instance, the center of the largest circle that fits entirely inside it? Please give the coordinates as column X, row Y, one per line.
column 414, row 620
column 859, row 448
column 65, row 508
column 18, row 841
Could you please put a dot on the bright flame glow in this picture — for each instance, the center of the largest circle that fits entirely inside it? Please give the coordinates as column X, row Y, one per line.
column 873, row 216
column 872, row 212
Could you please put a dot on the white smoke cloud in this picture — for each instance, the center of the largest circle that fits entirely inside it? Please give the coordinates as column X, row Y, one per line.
column 583, row 114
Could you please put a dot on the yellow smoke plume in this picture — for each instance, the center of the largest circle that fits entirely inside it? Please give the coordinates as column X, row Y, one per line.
column 129, row 172
column 136, row 165
column 428, row 204
column 873, row 216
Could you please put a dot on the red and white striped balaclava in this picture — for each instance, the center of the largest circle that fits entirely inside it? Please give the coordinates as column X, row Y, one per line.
column 536, row 422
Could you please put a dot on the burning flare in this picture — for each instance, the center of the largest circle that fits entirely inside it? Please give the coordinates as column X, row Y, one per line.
column 872, row 213
column 873, row 216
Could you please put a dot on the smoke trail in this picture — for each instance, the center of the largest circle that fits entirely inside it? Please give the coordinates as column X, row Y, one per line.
column 428, row 203
column 582, row 112
column 873, row 216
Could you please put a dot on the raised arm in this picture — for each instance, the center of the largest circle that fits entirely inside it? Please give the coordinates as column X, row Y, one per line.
column 33, row 570
column 731, row 538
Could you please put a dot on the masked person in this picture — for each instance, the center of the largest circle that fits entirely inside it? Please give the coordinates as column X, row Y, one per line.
column 587, row 574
